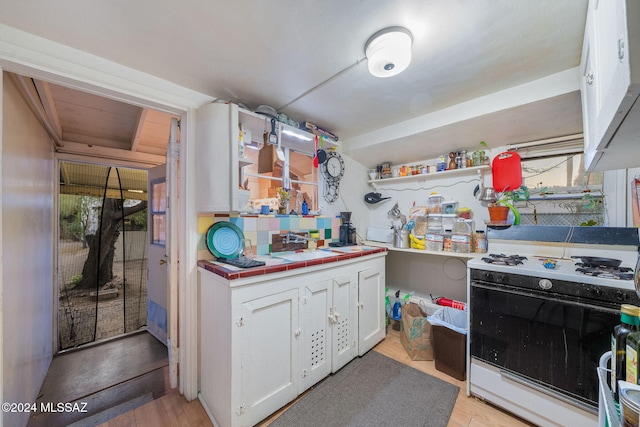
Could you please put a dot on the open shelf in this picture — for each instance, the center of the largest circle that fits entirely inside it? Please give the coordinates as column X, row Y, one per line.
column 390, row 247
column 432, row 175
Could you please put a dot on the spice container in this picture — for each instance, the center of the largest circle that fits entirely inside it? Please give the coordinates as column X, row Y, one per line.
column 446, row 241
column 463, row 159
column 481, row 242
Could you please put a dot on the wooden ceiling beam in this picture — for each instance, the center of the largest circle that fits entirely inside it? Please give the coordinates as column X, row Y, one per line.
column 142, row 117
column 111, row 153
column 48, row 103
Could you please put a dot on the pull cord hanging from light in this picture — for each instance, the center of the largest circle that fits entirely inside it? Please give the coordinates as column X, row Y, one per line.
column 387, row 52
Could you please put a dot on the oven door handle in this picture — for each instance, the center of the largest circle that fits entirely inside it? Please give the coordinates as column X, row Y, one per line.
column 528, row 383
column 543, row 295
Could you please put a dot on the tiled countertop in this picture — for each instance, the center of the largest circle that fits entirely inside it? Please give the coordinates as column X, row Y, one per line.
column 274, row 265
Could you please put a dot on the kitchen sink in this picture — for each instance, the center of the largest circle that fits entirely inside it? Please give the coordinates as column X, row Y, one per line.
column 304, row 256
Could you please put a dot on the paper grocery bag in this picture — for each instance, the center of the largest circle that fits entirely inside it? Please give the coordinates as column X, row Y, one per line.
column 415, row 333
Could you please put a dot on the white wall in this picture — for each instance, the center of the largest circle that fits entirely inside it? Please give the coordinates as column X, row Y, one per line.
column 353, row 187
column 27, row 221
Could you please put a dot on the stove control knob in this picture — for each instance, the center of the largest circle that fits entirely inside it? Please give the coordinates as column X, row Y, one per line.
column 545, row 284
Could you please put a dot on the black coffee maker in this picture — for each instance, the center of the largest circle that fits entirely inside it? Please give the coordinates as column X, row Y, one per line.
column 347, row 231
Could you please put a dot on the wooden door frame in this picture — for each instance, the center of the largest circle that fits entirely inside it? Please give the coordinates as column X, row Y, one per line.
column 33, row 56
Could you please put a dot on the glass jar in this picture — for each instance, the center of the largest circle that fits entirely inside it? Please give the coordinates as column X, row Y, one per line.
column 481, row 242
column 446, row 241
column 463, row 159
column 461, row 237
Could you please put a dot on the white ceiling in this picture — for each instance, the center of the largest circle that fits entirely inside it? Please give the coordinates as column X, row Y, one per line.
column 274, row 52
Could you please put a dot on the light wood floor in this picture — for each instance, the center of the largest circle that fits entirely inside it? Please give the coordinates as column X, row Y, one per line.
column 173, row 410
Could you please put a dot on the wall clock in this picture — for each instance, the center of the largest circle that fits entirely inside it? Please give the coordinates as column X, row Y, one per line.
column 333, row 171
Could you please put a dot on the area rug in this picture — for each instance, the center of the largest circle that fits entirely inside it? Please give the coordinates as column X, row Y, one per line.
column 374, row 390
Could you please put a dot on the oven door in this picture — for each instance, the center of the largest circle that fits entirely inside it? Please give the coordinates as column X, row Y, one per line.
column 551, row 340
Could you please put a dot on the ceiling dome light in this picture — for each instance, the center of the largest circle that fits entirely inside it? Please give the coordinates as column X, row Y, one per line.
column 389, row 51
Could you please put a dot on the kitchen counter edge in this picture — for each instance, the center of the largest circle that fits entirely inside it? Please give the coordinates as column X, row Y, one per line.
column 232, row 274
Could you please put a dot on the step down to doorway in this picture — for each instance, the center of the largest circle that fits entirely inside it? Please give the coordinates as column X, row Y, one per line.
column 111, row 413
column 148, row 386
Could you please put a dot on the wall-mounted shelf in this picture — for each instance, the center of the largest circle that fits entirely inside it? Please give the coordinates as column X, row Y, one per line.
column 426, row 176
column 299, row 140
column 243, row 161
column 390, row 247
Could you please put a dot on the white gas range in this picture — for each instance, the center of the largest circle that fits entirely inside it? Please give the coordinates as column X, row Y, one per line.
column 536, row 333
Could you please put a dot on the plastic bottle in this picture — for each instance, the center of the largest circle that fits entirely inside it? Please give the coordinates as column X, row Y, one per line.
column 305, row 207
column 628, row 324
column 387, row 306
column 461, row 237
column 631, row 353
column 434, row 238
column 397, row 306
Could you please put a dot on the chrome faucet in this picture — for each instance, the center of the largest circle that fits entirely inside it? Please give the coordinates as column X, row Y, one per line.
column 292, row 237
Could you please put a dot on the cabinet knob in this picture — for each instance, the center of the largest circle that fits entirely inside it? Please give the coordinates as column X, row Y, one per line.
column 298, row 332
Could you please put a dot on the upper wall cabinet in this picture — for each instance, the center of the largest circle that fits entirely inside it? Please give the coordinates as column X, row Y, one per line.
column 218, row 167
column 220, row 159
column 611, row 84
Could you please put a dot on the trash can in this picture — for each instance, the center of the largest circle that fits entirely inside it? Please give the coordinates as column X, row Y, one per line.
column 449, row 331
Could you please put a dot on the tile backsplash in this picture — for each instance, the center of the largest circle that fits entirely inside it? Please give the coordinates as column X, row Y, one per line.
column 260, row 229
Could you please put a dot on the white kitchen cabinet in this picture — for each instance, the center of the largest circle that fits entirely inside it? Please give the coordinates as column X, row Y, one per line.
column 269, row 346
column 371, row 320
column 610, row 85
column 266, row 339
column 218, row 165
column 330, row 313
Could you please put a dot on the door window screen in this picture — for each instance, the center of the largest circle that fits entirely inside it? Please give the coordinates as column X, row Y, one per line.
column 102, row 252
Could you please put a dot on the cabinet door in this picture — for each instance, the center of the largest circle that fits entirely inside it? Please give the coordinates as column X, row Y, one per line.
column 611, row 65
column 371, row 308
column 609, row 87
column 345, row 321
column 216, row 155
column 269, row 369
column 316, row 353
column 590, row 104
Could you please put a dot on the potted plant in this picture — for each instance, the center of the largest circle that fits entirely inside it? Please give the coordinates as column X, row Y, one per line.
column 505, row 201
column 283, row 200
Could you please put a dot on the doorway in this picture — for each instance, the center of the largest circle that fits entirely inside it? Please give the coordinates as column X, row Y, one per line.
column 102, row 252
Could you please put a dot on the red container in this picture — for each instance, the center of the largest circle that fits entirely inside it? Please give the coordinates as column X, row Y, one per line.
column 506, row 169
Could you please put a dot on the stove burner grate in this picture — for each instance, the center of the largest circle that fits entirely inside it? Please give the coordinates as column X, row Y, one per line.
column 622, row 273
column 502, row 259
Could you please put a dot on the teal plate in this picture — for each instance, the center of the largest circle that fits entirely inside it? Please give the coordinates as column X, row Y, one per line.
column 224, row 240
